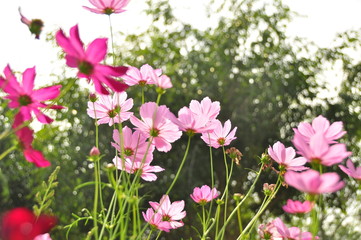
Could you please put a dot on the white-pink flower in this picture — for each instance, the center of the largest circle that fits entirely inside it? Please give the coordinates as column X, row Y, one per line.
column 292, row 233
column 156, row 123
column 107, row 6
column 220, row 136
column 144, row 76
column 204, row 194
column 351, row 170
column 45, row 236
column 285, row 157
column 206, row 107
column 171, row 212
column 163, row 82
column 111, row 109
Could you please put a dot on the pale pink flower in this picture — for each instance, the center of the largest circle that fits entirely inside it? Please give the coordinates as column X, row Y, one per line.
column 107, row 6
column 171, row 212
column 292, row 233
column 156, row 220
column 135, row 145
column 111, row 109
column 163, row 82
column 220, row 136
column 285, row 157
column 268, row 231
column 144, row 76
column 204, row 194
column 132, row 167
column 313, row 182
column 88, row 61
column 318, row 149
column 94, row 151
column 45, row 236
column 23, row 96
column 296, row 207
column 351, row 170
column 320, row 125
column 155, row 123
column 206, row 107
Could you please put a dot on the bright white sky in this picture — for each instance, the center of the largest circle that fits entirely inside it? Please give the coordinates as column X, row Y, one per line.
column 322, row 20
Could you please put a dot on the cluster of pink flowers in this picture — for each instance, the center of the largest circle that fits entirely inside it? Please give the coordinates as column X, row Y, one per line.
column 278, row 230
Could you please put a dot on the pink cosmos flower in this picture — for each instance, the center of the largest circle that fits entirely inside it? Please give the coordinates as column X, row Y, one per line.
column 45, row 236
column 171, row 212
column 156, row 220
column 204, row 194
column 88, row 61
column 320, row 125
column 285, row 157
column 147, row 171
column 318, row 150
column 156, row 123
column 268, row 231
column 313, row 182
column 292, row 233
column 220, row 136
column 163, row 82
column 296, row 207
column 24, row 97
column 144, row 76
column 35, row 25
column 205, row 107
column 135, row 145
column 351, row 170
column 107, row 6
column 111, row 109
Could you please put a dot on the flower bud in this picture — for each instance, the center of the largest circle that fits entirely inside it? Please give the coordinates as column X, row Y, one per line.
column 93, row 97
column 268, row 189
column 94, row 152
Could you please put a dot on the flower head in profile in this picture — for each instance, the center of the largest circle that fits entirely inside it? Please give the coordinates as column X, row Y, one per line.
column 133, row 167
column 88, row 61
column 204, row 194
column 285, row 157
column 351, row 170
column 111, row 109
column 296, row 207
column 155, row 123
column 107, row 6
column 221, row 135
column 313, row 182
column 146, row 75
column 292, row 233
column 163, row 82
column 171, row 212
column 35, row 25
column 23, row 224
column 268, row 231
column 135, row 145
column 156, row 220
column 23, row 96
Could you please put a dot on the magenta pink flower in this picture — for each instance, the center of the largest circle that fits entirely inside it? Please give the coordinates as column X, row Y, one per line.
column 156, row 220
column 204, row 194
column 285, row 157
column 88, row 61
column 155, row 123
column 132, row 167
column 292, row 233
column 320, row 125
column 146, row 75
column 107, row 6
column 171, row 212
column 220, row 136
column 318, row 149
column 24, row 97
column 296, row 207
column 351, row 170
column 135, row 145
column 111, row 109
column 312, row 182
column 205, row 107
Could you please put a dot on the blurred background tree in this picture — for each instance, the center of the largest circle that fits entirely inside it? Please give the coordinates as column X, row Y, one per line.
column 266, row 82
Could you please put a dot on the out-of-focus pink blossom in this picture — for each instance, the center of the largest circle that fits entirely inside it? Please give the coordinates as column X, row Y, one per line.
column 292, row 233
column 45, row 236
column 134, row 145
column 107, row 6
column 88, row 61
column 351, row 170
column 155, row 123
column 146, row 171
column 268, row 231
column 322, row 126
column 146, row 75
column 204, row 194
column 23, row 96
column 296, row 207
column 171, row 212
column 318, row 149
column 111, row 109
column 313, row 182
column 163, row 82
column 156, row 220
column 206, row 107
column 220, row 136
column 285, row 157
column 35, row 25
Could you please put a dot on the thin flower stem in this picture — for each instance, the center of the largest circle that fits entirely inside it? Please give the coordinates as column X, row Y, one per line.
column 160, row 232
column 142, row 94
column 158, row 98
column 9, row 150
column 112, row 39
column 150, row 234
column 203, row 221
column 96, row 177
column 239, row 218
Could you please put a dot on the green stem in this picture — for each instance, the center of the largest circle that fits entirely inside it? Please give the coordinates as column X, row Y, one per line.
column 9, row 150
column 158, row 98
column 160, row 232
column 112, row 39
column 239, row 218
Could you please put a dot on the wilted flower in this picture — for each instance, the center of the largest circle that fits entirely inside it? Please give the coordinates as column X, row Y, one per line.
column 234, row 154
column 35, row 25
column 204, row 194
column 268, row 189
